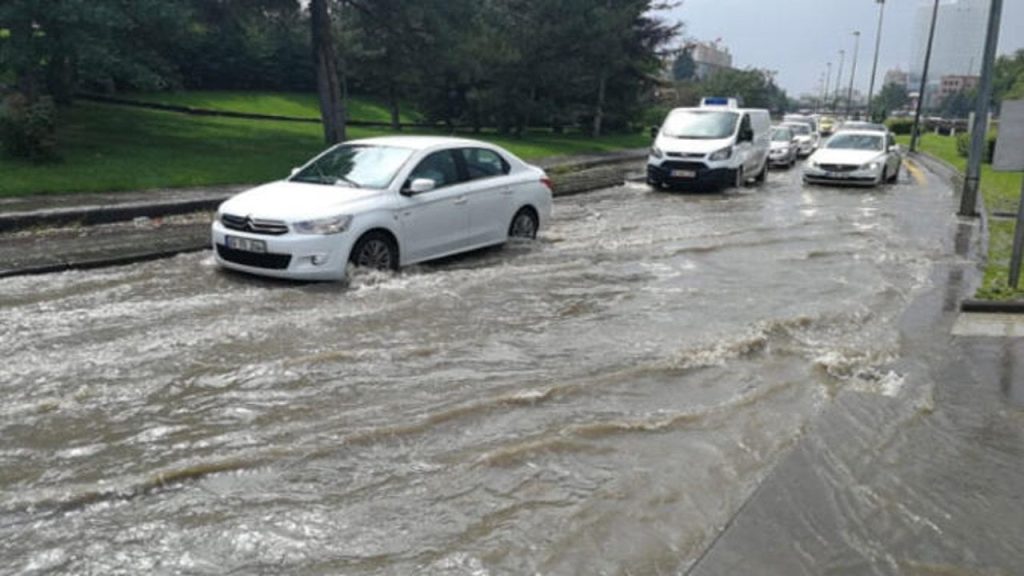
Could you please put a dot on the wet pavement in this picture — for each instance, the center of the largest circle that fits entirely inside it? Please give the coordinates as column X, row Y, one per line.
column 760, row 382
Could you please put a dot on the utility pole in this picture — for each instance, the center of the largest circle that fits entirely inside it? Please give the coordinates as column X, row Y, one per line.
column 914, row 132
column 969, row 198
column 853, row 71
column 878, row 45
column 839, row 79
column 828, row 84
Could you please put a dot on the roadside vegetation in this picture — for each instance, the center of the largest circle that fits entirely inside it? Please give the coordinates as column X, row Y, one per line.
column 1001, row 193
column 110, row 148
column 294, row 104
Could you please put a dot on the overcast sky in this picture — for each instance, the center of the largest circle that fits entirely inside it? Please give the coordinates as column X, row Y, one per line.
column 799, row 37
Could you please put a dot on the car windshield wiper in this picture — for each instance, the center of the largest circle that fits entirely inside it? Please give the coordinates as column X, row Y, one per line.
column 348, row 181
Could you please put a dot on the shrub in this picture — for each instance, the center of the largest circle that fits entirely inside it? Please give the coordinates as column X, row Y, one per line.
column 963, row 146
column 901, row 126
column 28, row 129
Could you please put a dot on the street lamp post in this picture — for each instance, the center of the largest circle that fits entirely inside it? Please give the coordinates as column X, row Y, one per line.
column 825, row 89
column 839, row 80
column 853, row 71
column 969, row 198
column 878, row 45
column 924, row 80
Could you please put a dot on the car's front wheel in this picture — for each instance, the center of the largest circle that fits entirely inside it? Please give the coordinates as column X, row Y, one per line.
column 524, row 224
column 375, row 250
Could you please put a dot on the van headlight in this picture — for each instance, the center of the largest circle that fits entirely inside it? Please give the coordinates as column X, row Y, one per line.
column 323, row 226
column 723, row 154
column 657, row 153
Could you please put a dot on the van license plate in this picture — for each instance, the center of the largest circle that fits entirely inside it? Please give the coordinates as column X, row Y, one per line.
column 246, row 244
column 684, row 174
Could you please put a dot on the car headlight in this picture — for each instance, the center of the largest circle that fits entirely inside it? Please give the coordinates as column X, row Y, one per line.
column 870, row 166
column 323, row 226
column 657, row 153
column 723, row 154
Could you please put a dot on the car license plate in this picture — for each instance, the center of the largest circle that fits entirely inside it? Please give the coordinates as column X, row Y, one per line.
column 246, row 244
column 838, row 175
column 684, row 174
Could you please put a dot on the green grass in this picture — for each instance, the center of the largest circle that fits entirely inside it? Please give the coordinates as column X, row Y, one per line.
column 106, row 148
column 1001, row 192
column 298, row 104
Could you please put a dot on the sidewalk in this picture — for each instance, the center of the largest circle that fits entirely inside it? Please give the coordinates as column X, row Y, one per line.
column 53, row 232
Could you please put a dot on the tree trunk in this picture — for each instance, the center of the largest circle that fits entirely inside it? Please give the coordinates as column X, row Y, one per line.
column 332, row 112
column 393, row 106
column 602, row 87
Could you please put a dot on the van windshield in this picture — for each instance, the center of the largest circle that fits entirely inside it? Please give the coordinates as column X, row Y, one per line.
column 700, row 124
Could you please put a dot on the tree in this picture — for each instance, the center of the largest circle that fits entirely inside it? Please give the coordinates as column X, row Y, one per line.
column 1009, row 77
column 959, row 104
column 684, row 67
column 332, row 112
column 756, row 88
column 892, row 97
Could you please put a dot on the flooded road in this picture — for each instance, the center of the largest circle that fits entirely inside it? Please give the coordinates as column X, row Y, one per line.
column 601, row 401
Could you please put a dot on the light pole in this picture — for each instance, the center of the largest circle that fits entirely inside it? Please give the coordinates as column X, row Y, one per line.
column 853, row 71
column 924, row 80
column 969, row 199
column 825, row 88
column 839, row 80
column 878, row 45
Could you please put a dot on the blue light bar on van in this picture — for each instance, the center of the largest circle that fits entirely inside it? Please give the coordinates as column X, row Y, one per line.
column 719, row 101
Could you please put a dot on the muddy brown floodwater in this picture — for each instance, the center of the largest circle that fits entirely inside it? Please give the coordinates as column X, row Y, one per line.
column 600, row 401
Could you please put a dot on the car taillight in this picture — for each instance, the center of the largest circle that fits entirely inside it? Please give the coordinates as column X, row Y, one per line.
column 547, row 182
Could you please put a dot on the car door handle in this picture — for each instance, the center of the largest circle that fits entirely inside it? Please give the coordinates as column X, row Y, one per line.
column 460, row 201
column 506, row 191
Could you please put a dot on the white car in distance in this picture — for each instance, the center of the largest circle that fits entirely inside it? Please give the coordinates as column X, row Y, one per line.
column 858, row 157
column 807, row 141
column 382, row 203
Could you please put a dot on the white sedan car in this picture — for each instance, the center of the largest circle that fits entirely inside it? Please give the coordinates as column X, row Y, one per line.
column 382, row 203
column 860, row 157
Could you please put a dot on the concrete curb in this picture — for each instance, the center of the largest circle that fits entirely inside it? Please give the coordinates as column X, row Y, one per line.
column 92, row 215
column 101, row 262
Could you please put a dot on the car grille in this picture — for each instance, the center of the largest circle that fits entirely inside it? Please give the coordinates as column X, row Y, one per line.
column 684, row 154
column 838, row 167
column 254, row 225
column 254, row 259
column 675, row 165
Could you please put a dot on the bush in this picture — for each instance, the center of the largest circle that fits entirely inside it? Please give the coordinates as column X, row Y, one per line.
column 963, row 146
column 901, row 126
column 28, row 129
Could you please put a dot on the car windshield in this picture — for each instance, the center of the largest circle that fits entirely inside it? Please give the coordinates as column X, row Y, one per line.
column 700, row 124
column 855, row 142
column 801, row 129
column 356, row 165
column 782, row 135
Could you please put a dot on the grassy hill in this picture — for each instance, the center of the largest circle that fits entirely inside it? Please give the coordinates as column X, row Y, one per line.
column 298, row 104
column 108, row 148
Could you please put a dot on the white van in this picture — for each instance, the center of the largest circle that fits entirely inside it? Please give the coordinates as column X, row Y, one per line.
column 715, row 146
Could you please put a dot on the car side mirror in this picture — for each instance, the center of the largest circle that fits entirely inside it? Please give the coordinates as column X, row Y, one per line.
column 419, row 186
column 654, row 131
column 295, row 170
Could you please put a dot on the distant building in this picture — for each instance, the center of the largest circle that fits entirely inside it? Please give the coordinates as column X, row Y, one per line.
column 959, row 38
column 951, row 84
column 897, row 77
column 710, row 57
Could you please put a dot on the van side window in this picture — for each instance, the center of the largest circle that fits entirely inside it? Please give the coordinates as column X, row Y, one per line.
column 745, row 128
